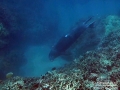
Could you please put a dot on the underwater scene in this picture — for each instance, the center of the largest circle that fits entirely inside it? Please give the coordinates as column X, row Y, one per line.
column 59, row 44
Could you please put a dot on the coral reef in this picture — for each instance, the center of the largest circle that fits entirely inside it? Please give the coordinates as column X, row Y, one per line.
column 95, row 70
column 112, row 23
column 9, row 75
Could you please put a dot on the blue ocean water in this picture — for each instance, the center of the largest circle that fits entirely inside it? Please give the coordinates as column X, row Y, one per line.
column 35, row 26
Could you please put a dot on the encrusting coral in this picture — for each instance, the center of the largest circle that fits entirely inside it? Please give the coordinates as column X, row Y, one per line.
column 112, row 23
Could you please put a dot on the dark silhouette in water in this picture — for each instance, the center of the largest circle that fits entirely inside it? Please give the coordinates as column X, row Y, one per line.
column 66, row 41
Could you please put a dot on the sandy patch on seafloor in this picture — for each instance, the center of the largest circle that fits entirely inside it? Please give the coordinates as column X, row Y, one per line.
column 38, row 62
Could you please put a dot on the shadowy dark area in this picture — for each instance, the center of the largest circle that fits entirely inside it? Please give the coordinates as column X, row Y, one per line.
column 11, row 29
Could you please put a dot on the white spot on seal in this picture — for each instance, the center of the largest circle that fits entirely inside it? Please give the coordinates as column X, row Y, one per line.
column 66, row 35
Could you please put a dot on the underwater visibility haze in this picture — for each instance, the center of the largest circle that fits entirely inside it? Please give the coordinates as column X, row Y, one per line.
column 59, row 44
